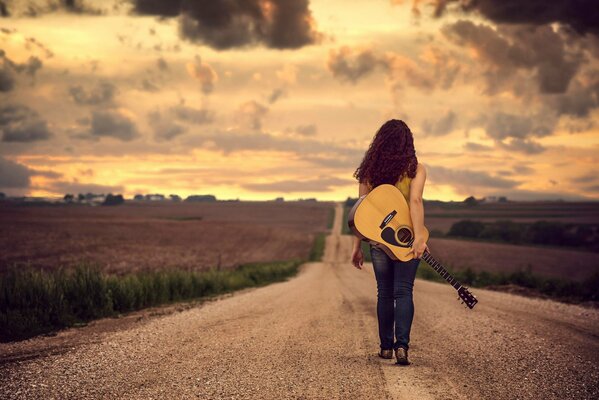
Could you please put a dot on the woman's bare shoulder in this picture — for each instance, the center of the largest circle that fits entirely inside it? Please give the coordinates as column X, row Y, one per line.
column 420, row 168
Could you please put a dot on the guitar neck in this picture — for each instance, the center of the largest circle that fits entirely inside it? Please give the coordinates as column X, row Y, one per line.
column 440, row 270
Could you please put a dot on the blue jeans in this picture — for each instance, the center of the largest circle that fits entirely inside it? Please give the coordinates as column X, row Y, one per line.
column 395, row 305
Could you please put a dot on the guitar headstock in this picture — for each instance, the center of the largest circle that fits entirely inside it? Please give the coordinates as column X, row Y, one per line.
column 467, row 298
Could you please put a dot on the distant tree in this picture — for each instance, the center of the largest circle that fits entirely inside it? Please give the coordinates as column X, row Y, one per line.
column 80, row 197
column 68, row 198
column 2, row 196
column 502, row 199
column 138, row 197
column 350, row 201
column 470, row 201
column 113, row 200
column 201, row 197
column 175, row 197
column 466, row 228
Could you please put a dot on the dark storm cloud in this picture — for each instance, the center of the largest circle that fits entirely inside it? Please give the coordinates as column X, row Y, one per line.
column 34, row 8
column 162, row 64
column 111, row 123
column 527, row 146
column 580, row 99
column 76, row 187
column 20, row 123
column 251, row 114
column 7, row 78
column 165, row 123
column 471, row 146
column 303, row 130
column 441, row 126
column 320, row 184
column 101, row 93
column 534, row 48
column 149, row 86
column 280, row 24
column 276, row 94
column 165, row 129
column 234, row 141
column 192, row 115
column 13, row 174
column 586, row 178
column 350, row 65
column 580, row 15
column 466, row 178
column 9, row 70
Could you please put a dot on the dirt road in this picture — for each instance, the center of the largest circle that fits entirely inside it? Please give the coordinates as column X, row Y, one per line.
column 315, row 337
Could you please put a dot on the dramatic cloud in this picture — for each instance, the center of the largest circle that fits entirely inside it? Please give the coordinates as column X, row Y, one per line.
column 149, row 86
column 251, row 114
column 347, row 64
column 501, row 125
column 101, row 93
column 113, row 123
column 14, row 175
column 275, row 95
column 504, row 52
column 441, row 126
column 320, row 184
column 165, row 123
column 20, row 123
column 465, row 179
column 192, row 115
column 580, row 15
column 9, row 70
column 471, row 146
column 162, row 64
column 164, row 128
column 303, row 130
column 304, row 148
column 434, row 68
column 280, row 24
column 34, row 8
column 204, row 73
column 77, row 187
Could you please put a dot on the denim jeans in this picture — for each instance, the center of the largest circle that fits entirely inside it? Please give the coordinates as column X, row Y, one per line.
column 395, row 305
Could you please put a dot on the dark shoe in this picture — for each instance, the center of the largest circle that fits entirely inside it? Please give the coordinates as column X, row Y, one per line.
column 386, row 353
column 401, row 355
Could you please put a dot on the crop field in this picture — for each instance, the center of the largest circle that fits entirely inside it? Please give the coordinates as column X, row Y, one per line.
column 151, row 235
column 441, row 217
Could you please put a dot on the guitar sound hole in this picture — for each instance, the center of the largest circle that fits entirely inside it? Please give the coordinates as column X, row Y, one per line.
column 404, row 235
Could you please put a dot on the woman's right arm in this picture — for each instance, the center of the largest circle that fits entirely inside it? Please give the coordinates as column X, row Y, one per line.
column 357, row 255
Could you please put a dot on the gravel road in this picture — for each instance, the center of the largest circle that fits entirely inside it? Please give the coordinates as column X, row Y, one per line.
column 315, row 337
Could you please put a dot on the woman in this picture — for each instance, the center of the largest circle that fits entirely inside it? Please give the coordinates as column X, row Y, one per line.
column 391, row 158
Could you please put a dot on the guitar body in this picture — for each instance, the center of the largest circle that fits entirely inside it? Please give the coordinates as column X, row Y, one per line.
column 383, row 218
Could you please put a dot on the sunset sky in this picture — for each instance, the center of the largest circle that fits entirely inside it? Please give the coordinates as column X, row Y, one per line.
column 256, row 99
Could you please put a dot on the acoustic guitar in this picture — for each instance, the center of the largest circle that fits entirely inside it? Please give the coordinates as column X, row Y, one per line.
column 382, row 218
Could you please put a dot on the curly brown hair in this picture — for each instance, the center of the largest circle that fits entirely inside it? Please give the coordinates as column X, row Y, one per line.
column 390, row 155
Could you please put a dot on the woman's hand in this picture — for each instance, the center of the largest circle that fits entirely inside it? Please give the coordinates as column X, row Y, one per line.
column 418, row 247
column 357, row 257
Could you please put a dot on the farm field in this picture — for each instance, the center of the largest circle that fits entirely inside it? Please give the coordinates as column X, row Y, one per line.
column 147, row 235
column 500, row 257
column 441, row 218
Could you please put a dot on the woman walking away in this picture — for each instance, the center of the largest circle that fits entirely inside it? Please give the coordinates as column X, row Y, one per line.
column 391, row 159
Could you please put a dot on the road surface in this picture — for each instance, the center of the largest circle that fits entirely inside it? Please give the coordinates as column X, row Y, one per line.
column 315, row 337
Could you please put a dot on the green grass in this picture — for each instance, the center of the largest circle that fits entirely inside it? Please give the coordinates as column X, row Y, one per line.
column 317, row 250
column 559, row 289
column 344, row 228
column 34, row 301
column 331, row 219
